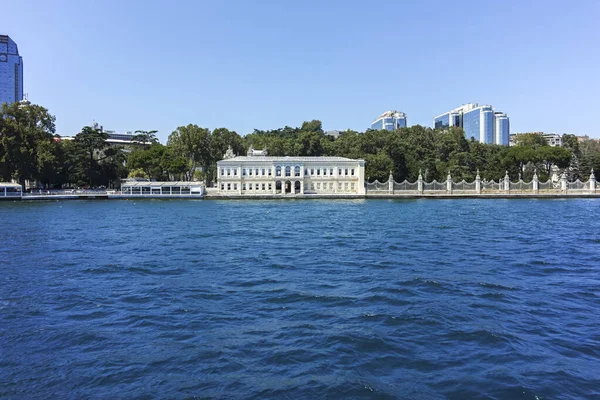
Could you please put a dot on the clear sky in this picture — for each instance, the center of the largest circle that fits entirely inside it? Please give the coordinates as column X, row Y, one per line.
column 266, row 64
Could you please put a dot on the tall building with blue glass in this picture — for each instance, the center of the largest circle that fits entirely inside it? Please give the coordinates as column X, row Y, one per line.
column 11, row 71
column 390, row 120
column 480, row 123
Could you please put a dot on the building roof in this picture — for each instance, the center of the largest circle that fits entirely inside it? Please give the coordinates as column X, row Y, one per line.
column 391, row 114
column 288, row 159
column 465, row 108
column 161, row 184
column 10, row 184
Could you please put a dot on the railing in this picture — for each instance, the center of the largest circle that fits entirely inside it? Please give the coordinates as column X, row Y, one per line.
column 464, row 186
column 64, row 192
column 377, row 186
column 521, row 186
column 491, row 186
column 549, row 186
column 478, row 186
column 577, row 185
column 406, row 185
column 435, row 186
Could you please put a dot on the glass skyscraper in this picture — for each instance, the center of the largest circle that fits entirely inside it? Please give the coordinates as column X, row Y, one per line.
column 502, row 130
column 11, row 71
column 390, row 120
column 447, row 119
column 480, row 123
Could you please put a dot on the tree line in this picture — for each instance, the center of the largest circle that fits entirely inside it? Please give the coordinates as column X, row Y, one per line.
column 30, row 151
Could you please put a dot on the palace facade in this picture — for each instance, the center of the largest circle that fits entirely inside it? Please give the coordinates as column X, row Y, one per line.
column 258, row 174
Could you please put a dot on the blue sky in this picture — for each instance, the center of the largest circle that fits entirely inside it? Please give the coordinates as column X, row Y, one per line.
column 266, row 64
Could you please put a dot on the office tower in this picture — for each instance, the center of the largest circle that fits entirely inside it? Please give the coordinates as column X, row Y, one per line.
column 11, row 71
column 390, row 120
column 481, row 123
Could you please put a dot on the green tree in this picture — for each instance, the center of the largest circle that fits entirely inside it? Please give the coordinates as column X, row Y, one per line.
column 175, row 166
column 150, row 160
column 547, row 156
column 193, row 143
column 314, row 126
column 220, row 140
column 48, row 163
column 25, row 134
column 145, row 137
column 137, row 173
column 309, row 143
column 92, row 143
column 378, row 166
column 531, row 140
column 570, row 142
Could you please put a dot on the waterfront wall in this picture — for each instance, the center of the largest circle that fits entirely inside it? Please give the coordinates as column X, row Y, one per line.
column 482, row 187
column 504, row 188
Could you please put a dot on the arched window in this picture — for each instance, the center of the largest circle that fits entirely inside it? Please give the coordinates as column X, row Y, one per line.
column 288, row 171
column 296, row 171
column 278, row 170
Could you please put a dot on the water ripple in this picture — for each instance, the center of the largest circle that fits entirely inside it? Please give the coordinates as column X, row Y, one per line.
column 357, row 299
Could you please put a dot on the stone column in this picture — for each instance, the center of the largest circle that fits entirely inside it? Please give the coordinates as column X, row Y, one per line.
column 420, row 183
column 563, row 182
column 449, row 183
column 506, row 183
column 391, row 183
column 478, row 183
column 361, row 178
column 335, row 178
column 302, row 186
column 536, row 183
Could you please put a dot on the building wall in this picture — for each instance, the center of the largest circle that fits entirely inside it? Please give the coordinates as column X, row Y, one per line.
column 553, row 139
column 455, row 119
column 390, row 120
column 11, row 71
column 502, row 131
column 441, row 121
column 472, row 124
column 487, row 125
column 240, row 176
column 378, row 125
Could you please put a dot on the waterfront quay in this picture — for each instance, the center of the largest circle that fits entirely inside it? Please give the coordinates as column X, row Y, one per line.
column 448, row 189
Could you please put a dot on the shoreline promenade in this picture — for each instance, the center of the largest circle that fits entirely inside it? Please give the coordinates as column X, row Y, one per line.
column 503, row 189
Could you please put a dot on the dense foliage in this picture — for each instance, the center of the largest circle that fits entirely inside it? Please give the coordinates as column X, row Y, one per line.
column 30, row 152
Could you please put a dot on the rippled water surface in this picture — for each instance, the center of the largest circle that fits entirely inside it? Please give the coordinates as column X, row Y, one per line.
column 300, row 299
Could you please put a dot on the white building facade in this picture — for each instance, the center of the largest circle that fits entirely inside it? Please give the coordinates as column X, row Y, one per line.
column 258, row 174
column 553, row 139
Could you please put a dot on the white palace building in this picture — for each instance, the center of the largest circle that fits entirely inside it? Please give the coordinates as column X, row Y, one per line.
column 258, row 174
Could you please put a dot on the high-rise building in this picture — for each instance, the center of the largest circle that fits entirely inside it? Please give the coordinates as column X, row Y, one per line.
column 502, row 129
column 481, row 123
column 390, row 120
column 11, row 71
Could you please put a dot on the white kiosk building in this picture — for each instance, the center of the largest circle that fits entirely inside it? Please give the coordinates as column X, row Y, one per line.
column 258, row 174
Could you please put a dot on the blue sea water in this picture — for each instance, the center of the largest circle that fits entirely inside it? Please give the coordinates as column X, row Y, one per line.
column 365, row 299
